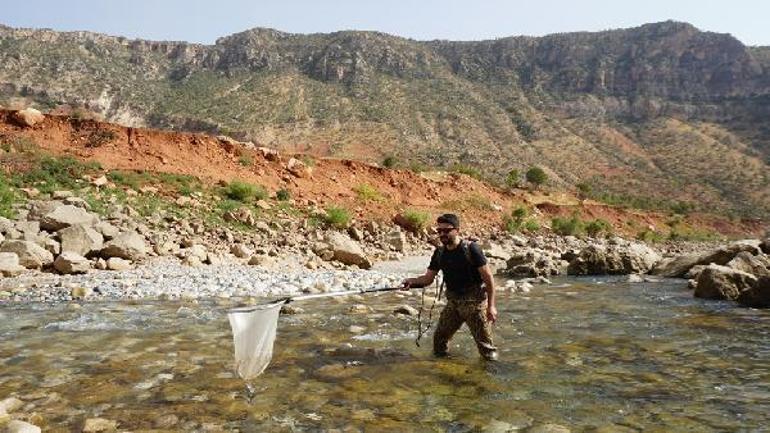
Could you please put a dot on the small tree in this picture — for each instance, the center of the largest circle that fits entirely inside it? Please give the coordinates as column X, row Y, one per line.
column 536, row 176
column 584, row 190
column 513, row 179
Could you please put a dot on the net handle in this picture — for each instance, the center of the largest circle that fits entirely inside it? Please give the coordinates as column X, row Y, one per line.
column 288, row 299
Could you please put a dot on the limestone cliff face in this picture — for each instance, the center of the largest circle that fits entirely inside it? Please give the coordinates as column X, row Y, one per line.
column 640, row 111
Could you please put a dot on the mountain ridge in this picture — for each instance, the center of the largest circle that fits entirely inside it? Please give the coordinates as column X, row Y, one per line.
column 624, row 110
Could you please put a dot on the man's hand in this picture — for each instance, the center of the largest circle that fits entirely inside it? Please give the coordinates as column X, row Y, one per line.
column 407, row 283
column 491, row 314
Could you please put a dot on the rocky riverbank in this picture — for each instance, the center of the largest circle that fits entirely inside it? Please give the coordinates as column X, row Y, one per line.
column 60, row 250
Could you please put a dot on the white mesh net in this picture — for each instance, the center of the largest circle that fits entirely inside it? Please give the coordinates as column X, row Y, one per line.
column 253, row 336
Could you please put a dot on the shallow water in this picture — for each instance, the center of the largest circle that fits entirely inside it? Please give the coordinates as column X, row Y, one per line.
column 591, row 355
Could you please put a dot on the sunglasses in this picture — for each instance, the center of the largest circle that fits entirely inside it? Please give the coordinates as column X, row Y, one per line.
column 445, row 230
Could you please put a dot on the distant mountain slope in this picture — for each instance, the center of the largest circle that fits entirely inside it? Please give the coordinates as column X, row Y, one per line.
column 661, row 113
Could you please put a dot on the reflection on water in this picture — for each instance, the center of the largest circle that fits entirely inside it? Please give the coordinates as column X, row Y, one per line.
column 609, row 357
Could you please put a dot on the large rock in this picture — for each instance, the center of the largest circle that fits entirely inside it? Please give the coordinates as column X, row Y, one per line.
column 118, row 264
column 66, row 215
column 70, row 262
column 616, row 259
column 677, row 267
column 242, row 215
column 532, row 263
column 80, row 239
column 765, row 246
column 31, row 255
column 5, row 225
column 127, row 245
column 397, row 240
column 107, row 230
column 298, row 168
column 9, row 265
column 758, row 265
column 17, row 426
column 28, row 117
column 758, row 296
column 347, row 250
column 241, row 251
column 721, row 282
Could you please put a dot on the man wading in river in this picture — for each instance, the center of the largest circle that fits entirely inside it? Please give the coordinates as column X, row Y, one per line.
column 470, row 289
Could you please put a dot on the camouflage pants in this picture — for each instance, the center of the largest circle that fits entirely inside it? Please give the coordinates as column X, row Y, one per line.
column 471, row 312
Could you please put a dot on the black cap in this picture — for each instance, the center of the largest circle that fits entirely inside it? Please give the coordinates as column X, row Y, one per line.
column 449, row 218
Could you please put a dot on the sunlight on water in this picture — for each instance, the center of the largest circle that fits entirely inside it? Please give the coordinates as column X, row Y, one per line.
column 609, row 357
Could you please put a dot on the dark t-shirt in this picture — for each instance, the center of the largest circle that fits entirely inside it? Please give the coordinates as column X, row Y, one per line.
column 459, row 275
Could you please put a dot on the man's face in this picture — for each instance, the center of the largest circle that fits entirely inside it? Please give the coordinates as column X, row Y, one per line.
column 447, row 233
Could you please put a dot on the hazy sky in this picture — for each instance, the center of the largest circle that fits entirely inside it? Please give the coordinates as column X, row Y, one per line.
column 205, row 21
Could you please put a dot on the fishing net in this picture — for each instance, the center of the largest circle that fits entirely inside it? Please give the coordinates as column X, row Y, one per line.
column 253, row 336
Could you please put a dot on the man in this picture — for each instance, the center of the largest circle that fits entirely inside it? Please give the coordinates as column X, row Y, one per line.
column 470, row 289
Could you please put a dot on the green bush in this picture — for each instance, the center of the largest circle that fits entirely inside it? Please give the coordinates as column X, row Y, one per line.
column 417, row 167
column 517, row 221
column 650, row 236
column 283, row 195
column 389, row 162
column 242, row 191
column 572, row 226
column 598, row 226
column 52, row 173
column 513, row 179
column 536, row 176
column 7, row 198
column 227, row 205
column 367, row 192
column 531, row 226
column 584, row 190
column 466, row 169
column 416, row 218
column 246, row 160
column 337, row 217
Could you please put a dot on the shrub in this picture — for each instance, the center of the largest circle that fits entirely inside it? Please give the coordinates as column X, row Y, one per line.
column 337, row 217
column 52, row 173
column 417, row 167
column 389, row 162
column 416, row 219
column 7, row 198
column 283, row 195
column 307, row 160
column 246, row 160
column 536, row 176
column 572, row 226
column 584, row 190
column 513, row 179
column 466, row 169
column 598, row 226
column 518, row 221
column 531, row 225
column 242, row 191
column 367, row 192
column 650, row 236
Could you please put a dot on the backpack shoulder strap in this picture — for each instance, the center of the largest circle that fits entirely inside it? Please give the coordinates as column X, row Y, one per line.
column 466, row 246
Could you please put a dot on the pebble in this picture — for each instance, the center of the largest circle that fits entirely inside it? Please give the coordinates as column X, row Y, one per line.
column 168, row 279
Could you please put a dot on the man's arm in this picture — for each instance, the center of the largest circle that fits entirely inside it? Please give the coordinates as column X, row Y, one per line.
column 489, row 284
column 423, row 280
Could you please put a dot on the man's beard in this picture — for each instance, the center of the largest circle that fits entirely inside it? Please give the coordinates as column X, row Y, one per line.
column 445, row 240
